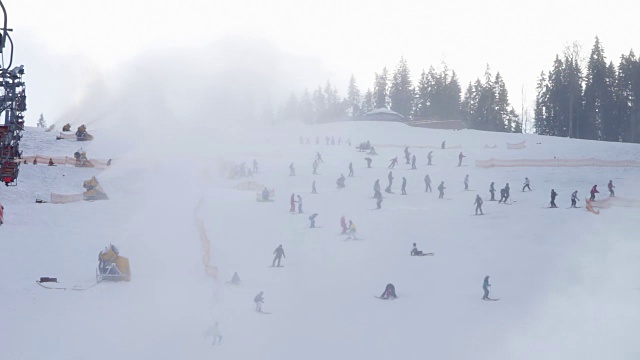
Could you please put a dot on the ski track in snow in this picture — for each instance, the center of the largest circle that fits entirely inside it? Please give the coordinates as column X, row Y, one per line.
column 567, row 279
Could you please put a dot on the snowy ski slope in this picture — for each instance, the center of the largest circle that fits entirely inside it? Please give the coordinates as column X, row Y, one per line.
column 567, row 279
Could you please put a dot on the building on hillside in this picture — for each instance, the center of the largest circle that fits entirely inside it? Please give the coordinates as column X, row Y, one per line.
column 383, row 114
column 438, row 124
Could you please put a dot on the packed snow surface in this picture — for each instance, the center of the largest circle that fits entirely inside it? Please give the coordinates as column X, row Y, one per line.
column 567, row 280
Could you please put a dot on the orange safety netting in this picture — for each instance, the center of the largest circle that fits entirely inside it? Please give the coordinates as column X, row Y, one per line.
column 520, row 145
column 206, row 244
column 556, row 162
column 67, row 136
column 66, row 160
column 63, row 199
column 416, row 146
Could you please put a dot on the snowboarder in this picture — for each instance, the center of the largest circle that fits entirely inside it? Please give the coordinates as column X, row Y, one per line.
column 553, row 199
column 429, row 156
column 404, row 186
column 313, row 187
column 390, row 177
column 427, row 183
column 299, row 201
column 255, row 166
column 292, row 170
column 343, row 225
column 393, row 163
column 368, row 162
column 265, row 194
column 466, row 182
column 235, row 279
column 441, row 190
column 460, row 157
column 526, row 184
column 503, row 196
column 574, row 198
column 443, row 145
column 340, row 182
column 413, row 162
column 319, row 158
column 492, row 190
column 312, row 220
column 610, row 186
column 351, row 233
column 259, row 300
column 279, row 252
column 485, row 288
column 594, row 191
column 378, row 197
column 293, row 203
column 507, row 191
column 389, row 292
column 351, row 169
column 215, row 332
column 478, row 205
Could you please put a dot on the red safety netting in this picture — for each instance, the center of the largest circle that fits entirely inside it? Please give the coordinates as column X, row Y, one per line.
column 556, row 162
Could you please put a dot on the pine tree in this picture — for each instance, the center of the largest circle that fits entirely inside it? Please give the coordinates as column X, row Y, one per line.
column 452, row 92
column 401, row 93
column 422, row 97
column 306, row 107
column 380, row 90
column 319, row 106
column 367, row 103
column 353, row 98
column 541, row 112
column 41, row 122
column 598, row 97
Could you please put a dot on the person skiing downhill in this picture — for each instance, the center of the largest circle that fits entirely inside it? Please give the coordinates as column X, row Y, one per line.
column 279, row 252
column 350, row 169
column 368, row 162
column 255, row 166
column 427, row 183
column 343, row 225
column 492, row 190
column 292, row 170
column 376, row 187
column 293, row 203
column 478, row 204
column 404, row 186
column 553, row 199
column 594, row 191
column 574, row 198
column 319, row 158
column 526, row 184
column 299, row 201
column 503, row 195
column 610, row 186
column 466, row 182
column 429, row 156
column 407, row 154
column 259, row 300
column 485, row 288
column 351, row 233
column 413, row 162
column 443, row 145
column 460, row 157
column 312, row 220
column 393, row 163
column 390, row 177
column 313, row 187
column 507, row 190
column 441, row 190
column 389, row 292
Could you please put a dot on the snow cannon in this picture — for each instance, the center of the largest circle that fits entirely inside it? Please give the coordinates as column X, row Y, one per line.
column 67, row 127
column 94, row 190
column 112, row 266
column 82, row 134
column 81, row 159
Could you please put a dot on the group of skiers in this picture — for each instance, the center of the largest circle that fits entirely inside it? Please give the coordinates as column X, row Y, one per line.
column 328, row 140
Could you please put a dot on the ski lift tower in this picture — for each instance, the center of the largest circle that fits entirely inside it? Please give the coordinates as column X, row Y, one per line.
column 12, row 107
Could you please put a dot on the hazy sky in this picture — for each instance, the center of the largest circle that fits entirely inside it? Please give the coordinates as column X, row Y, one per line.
column 66, row 42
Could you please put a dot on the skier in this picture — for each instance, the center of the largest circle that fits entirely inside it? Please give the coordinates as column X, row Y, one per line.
column 466, row 182
column 340, row 181
column 235, row 279
column 442, row 147
column 259, row 300
column 441, row 190
column 279, row 252
column 404, row 186
column 389, row 292
column 313, row 187
column 492, row 190
column 594, row 191
column 319, row 158
column 610, row 186
column 553, row 199
column 485, row 287
column 343, row 225
column 526, row 184
column 478, row 205
column 503, row 195
column 460, row 157
column 390, row 177
column 413, row 162
column 312, row 220
column 292, row 170
column 315, row 167
column 378, row 197
column 326, row 138
column 351, row 233
column 407, row 154
column 217, row 337
column 507, row 191
column 429, row 156
column 393, row 163
column 255, row 166
column 368, row 162
column 376, row 187
column 265, row 194
column 427, row 183
column 350, row 169
column 574, row 198
column 299, row 201
column 293, row 203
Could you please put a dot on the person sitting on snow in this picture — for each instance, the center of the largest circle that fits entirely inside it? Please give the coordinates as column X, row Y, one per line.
column 389, row 292
column 415, row 251
column 265, row 194
column 235, row 279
